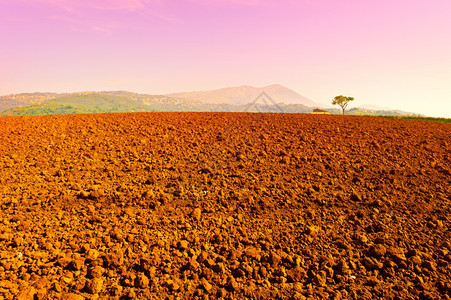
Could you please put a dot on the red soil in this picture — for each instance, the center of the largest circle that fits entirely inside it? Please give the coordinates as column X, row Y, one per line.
column 231, row 205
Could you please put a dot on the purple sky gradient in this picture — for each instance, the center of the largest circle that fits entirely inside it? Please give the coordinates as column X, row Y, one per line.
column 386, row 53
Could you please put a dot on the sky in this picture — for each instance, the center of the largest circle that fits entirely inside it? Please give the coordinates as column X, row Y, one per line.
column 389, row 53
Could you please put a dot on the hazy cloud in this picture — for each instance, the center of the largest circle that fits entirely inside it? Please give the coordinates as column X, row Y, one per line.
column 222, row 2
column 71, row 5
column 102, row 16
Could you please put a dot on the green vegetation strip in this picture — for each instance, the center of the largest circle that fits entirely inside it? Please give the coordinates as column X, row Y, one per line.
column 428, row 119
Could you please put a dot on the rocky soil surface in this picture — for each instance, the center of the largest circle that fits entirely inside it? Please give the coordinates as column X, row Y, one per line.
column 224, row 205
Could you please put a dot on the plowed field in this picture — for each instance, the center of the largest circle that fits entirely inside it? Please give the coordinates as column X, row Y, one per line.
column 224, row 205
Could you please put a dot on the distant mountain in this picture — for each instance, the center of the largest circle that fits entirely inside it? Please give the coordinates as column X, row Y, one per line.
column 273, row 98
column 373, row 107
column 243, row 95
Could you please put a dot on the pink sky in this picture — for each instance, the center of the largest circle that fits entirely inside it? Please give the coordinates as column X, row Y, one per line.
column 386, row 53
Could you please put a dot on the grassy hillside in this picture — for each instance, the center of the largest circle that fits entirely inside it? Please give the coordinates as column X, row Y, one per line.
column 107, row 102
column 25, row 99
column 428, row 119
column 120, row 101
column 78, row 104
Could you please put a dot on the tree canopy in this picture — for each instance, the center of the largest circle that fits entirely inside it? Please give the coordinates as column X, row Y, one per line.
column 342, row 101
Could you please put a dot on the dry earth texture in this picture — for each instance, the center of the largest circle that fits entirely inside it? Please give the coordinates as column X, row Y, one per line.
column 224, row 205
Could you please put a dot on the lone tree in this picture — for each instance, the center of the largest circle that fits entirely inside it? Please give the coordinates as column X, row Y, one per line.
column 343, row 101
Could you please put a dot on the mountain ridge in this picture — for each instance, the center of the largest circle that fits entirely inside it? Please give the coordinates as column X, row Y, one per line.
column 273, row 98
column 245, row 94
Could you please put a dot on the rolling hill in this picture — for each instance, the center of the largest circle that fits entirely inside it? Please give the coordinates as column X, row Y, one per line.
column 95, row 102
column 25, row 99
column 273, row 98
column 237, row 99
column 78, row 103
